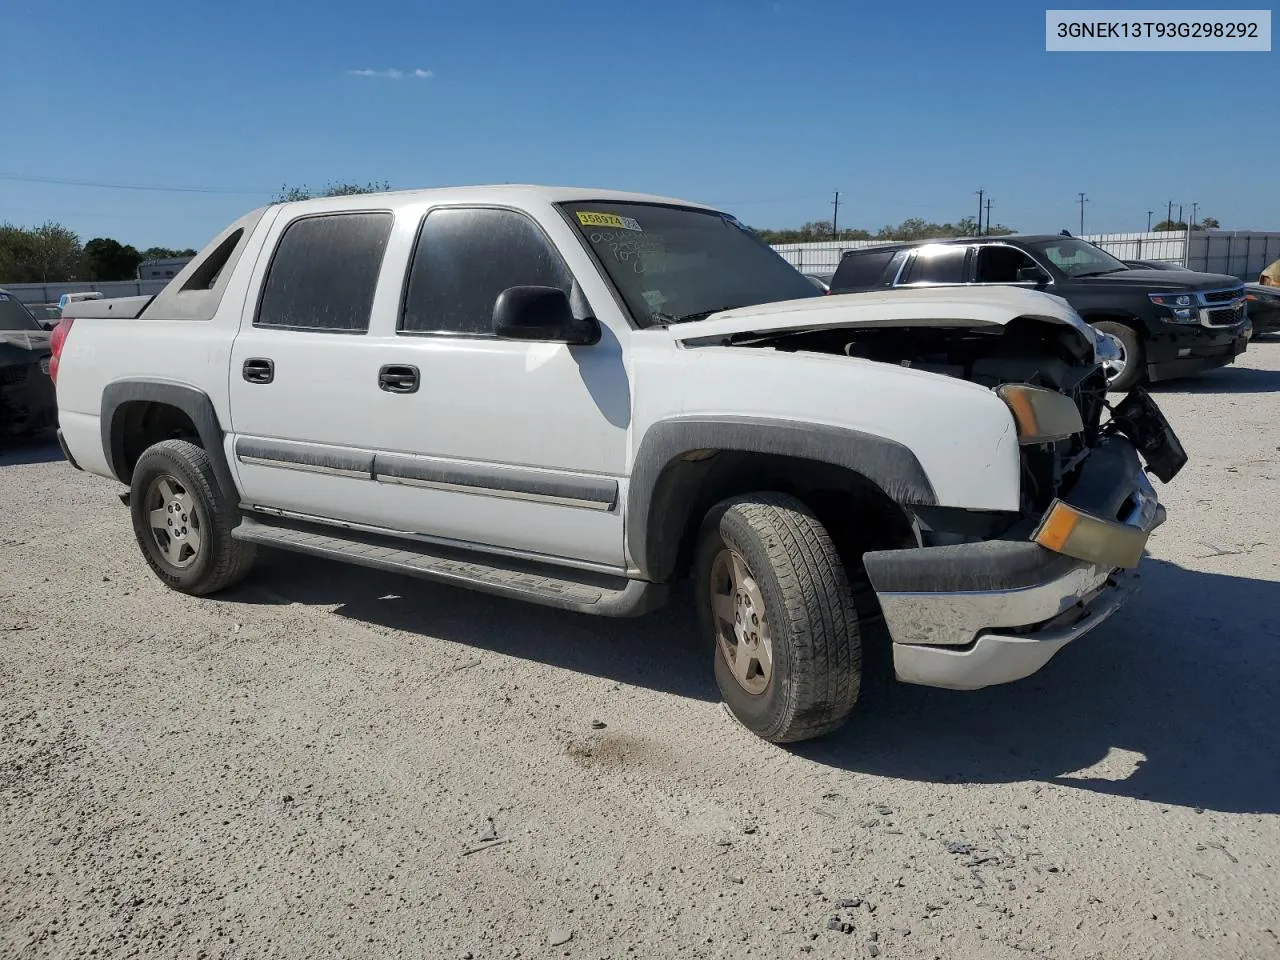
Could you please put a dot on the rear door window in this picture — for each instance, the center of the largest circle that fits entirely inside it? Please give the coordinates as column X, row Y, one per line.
column 936, row 263
column 15, row 316
column 1000, row 264
column 324, row 273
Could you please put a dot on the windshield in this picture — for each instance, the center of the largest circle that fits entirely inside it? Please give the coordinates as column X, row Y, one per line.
column 1076, row 258
column 672, row 264
column 14, row 316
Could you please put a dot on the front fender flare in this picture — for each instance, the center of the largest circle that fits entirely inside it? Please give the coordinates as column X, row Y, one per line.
column 887, row 464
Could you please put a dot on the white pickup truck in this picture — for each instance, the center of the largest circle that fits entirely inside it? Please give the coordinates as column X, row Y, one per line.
column 578, row 397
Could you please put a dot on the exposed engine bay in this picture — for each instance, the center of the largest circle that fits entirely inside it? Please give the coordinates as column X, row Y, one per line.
column 1026, row 350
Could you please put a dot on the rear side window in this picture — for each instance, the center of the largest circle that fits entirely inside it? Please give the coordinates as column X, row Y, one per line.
column 1000, row 264
column 464, row 258
column 862, row 269
column 940, row 263
column 15, row 316
column 324, row 273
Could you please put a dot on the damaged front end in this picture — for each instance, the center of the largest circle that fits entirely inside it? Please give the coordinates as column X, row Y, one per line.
column 989, row 596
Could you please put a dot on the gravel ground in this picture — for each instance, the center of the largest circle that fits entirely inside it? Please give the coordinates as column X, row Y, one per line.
column 328, row 762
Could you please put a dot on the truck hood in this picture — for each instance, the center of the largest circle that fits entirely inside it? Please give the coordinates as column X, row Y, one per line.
column 938, row 307
column 1156, row 280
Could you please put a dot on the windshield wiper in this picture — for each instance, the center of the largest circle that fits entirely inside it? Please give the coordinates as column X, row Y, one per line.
column 703, row 314
column 1099, row 273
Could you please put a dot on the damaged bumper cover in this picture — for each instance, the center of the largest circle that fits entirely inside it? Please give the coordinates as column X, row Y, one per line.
column 971, row 615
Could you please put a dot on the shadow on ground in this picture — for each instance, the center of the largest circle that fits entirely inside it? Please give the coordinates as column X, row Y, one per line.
column 1187, row 677
column 39, row 449
column 1230, row 379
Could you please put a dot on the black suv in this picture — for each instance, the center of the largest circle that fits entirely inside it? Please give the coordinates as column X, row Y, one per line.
column 1168, row 323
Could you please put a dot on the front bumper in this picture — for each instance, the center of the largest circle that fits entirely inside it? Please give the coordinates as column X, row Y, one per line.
column 1183, row 350
column 971, row 615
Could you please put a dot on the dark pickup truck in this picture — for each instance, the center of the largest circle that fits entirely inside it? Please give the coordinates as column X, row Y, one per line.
column 1166, row 323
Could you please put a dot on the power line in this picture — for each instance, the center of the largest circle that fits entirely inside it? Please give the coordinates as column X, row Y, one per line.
column 58, row 181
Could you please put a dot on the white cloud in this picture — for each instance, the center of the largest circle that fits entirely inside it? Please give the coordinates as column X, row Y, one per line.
column 392, row 73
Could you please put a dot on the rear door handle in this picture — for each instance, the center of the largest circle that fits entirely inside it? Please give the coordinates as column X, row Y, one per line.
column 398, row 378
column 258, row 370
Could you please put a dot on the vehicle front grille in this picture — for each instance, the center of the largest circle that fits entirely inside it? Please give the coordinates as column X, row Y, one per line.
column 1050, row 470
column 1225, row 317
column 1223, row 296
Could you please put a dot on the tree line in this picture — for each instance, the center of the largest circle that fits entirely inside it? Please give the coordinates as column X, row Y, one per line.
column 913, row 228
column 916, row 228
column 52, row 253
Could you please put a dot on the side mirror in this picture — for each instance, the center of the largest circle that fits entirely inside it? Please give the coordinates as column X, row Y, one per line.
column 1032, row 275
column 541, row 313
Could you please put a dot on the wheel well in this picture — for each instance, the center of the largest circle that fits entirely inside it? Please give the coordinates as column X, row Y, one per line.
column 138, row 424
column 858, row 514
column 1133, row 323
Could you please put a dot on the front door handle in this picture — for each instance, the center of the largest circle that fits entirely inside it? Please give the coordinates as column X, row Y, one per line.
column 398, row 378
column 258, row 370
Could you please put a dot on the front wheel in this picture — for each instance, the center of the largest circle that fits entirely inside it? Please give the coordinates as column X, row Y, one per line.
column 1125, row 371
column 776, row 601
column 183, row 519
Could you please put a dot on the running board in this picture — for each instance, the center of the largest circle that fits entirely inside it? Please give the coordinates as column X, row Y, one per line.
column 519, row 580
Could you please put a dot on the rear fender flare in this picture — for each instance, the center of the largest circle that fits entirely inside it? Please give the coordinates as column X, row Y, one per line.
column 192, row 401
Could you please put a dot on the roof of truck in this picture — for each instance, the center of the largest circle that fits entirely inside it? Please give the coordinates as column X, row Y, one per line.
column 985, row 238
column 512, row 192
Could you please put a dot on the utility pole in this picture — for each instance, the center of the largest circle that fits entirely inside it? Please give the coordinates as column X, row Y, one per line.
column 988, row 215
column 1083, row 201
column 835, row 217
column 1194, row 207
column 1169, row 219
column 1180, row 213
column 979, row 192
column 1149, row 212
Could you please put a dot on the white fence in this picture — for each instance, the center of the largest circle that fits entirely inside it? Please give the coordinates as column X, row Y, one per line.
column 1240, row 253
column 50, row 292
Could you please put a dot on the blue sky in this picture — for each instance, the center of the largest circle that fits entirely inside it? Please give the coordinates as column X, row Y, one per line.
column 762, row 106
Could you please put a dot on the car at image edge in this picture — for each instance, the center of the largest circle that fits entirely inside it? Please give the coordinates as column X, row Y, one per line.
column 1168, row 323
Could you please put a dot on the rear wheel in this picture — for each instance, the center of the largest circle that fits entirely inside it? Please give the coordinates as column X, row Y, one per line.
column 183, row 520
column 774, row 598
column 1125, row 372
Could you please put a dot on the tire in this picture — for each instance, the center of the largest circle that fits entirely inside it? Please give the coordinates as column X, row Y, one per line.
column 195, row 554
column 807, row 627
column 1135, row 357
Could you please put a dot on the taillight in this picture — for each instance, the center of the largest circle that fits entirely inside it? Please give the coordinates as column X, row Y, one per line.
column 57, row 340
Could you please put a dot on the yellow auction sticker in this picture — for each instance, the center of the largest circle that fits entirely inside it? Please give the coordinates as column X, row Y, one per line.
column 588, row 219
